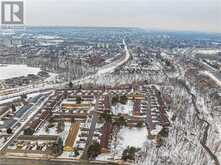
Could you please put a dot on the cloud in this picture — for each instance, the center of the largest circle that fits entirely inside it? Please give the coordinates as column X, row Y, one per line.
column 199, row 15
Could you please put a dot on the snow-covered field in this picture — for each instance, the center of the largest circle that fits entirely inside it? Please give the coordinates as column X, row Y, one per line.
column 10, row 71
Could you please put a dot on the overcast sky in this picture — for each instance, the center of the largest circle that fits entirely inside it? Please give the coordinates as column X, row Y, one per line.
column 194, row 15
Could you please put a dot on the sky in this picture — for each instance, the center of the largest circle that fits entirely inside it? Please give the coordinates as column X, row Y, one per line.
column 189, row 15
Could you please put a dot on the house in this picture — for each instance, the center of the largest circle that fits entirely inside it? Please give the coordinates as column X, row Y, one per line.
column 36, row 146
column 106, row 131
column 137, row 107
column 136, row 96
column 156, row 115
column 71, row 104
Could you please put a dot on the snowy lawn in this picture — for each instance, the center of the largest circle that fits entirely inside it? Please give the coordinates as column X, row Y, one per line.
column 53, row 131
column 135, row 137
column 123, row 109
column 70, row 155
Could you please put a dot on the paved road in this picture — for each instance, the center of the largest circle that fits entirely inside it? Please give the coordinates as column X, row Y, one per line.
column 92, row 130
column 35, row 109
column 103, row 70
column 37, row 161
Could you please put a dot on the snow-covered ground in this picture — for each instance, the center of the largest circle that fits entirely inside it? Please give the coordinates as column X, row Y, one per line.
column 53, row 131
column 63, row 135
column 165, row 55
column 34, row 110
column 1, row 141
column 136, row 137
column 86, row 79
column 52, row 78
column 36, row 94
column 218, row 82
column 68, row 155
column 10, row 71
column 9, row 100
column 123, row 109
column 209, row 51
column 46, row 37
column 157, row 130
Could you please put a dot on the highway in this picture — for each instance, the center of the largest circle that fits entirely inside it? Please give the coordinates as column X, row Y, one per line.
column 109, row 68
column 104, row 70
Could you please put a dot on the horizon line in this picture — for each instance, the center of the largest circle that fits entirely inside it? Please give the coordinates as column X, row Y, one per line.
column 125, row 27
